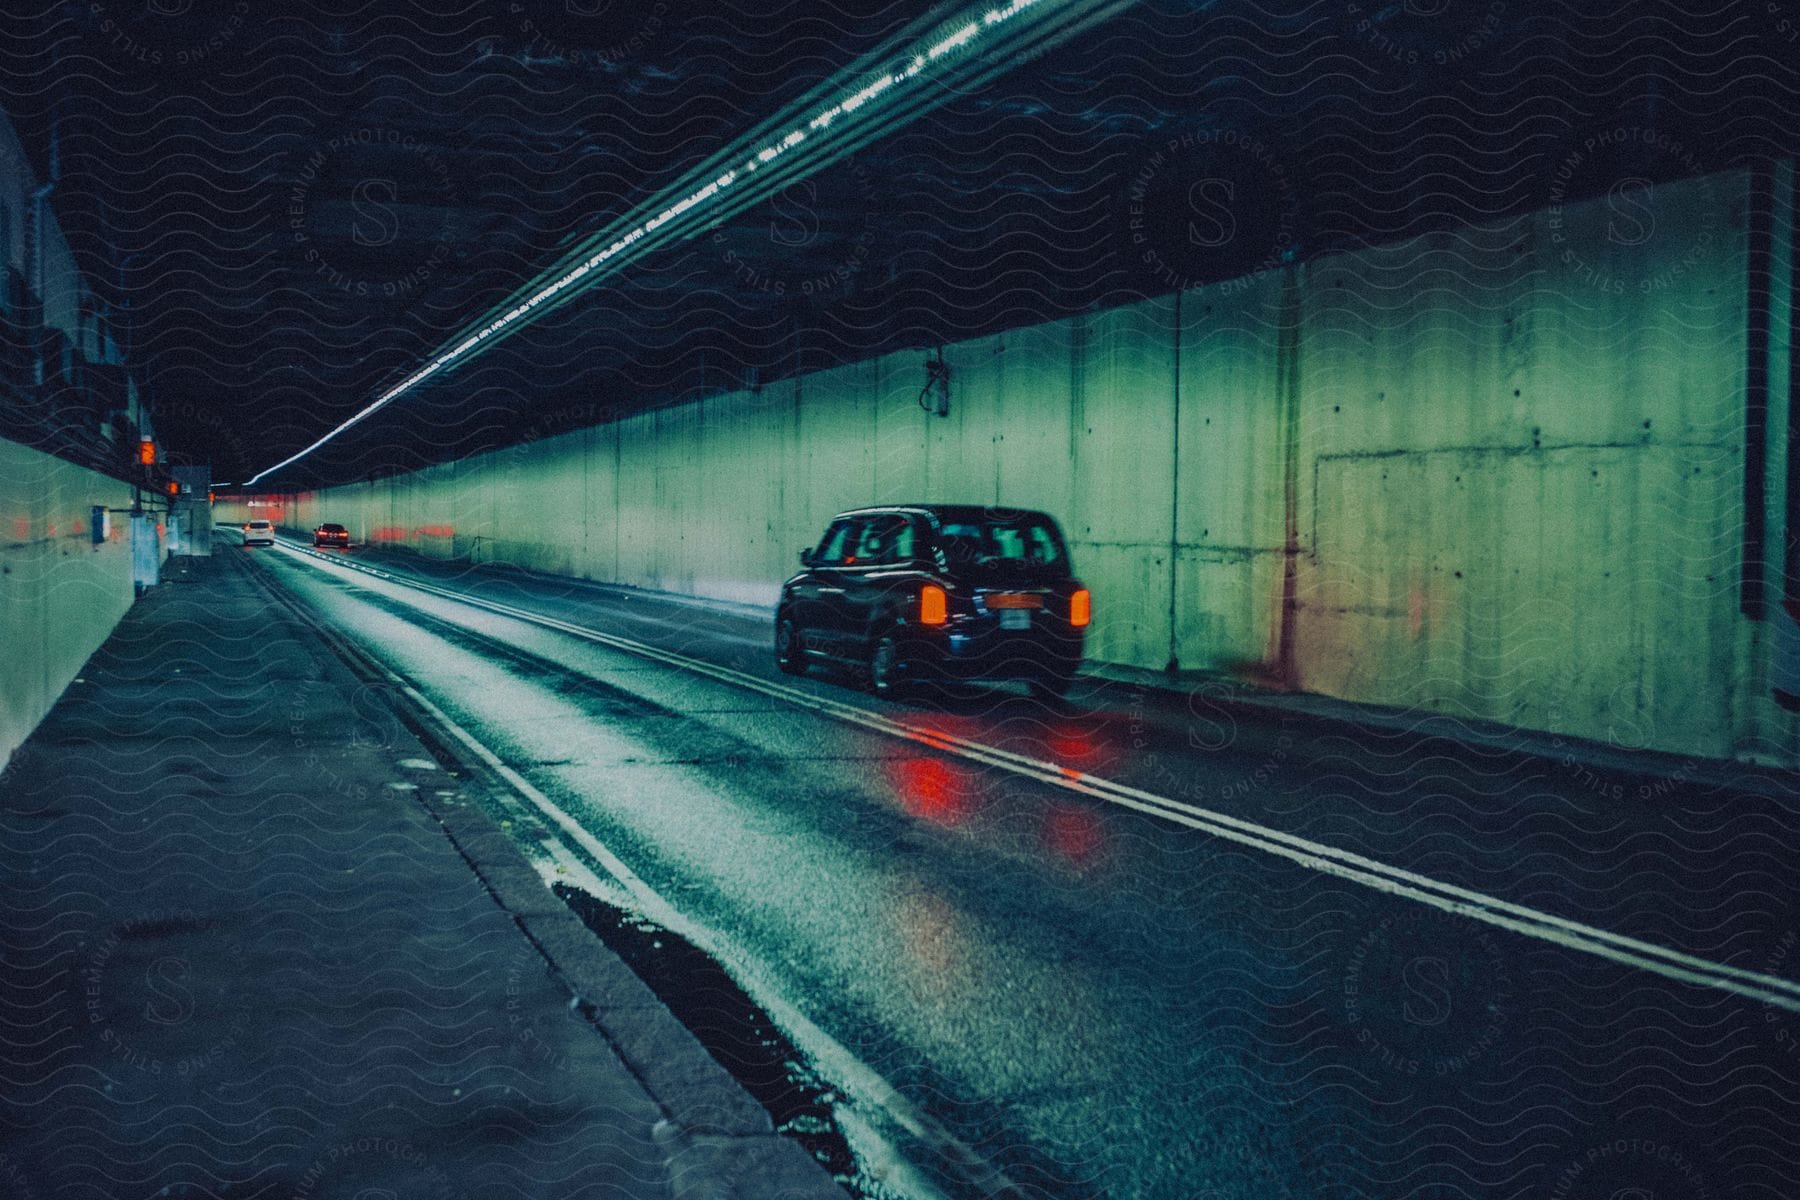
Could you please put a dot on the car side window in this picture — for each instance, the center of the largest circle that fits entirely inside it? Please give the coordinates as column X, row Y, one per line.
column 885, row 540
column 838, row 544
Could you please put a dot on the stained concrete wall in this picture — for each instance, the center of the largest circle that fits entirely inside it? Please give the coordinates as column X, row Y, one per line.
column 60, row 595
column 1495, row 472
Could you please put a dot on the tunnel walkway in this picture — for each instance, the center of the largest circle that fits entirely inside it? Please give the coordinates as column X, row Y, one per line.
column 246, row 953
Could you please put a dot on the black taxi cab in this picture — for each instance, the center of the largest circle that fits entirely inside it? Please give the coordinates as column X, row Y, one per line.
column 914, row 592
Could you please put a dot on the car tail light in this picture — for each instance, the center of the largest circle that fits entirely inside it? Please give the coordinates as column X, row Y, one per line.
column 1081, row 608
column 934, row 605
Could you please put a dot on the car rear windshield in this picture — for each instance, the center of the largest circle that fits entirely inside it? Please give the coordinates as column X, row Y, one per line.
column 331, row 529
column 259, row 525
column 1023, row 539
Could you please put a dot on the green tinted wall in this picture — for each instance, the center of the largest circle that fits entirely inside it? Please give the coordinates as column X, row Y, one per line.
column 1495, row 472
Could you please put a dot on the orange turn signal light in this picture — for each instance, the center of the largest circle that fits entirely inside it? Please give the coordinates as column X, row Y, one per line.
column 1081, row 608
column 934, row 605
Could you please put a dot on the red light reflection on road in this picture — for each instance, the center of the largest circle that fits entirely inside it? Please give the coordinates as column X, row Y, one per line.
column 1072, row 744
column 948, row 726
column 933, row 788
column 1074, row 831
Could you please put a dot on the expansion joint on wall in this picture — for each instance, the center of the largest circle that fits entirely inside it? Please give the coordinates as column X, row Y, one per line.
column 934, row 397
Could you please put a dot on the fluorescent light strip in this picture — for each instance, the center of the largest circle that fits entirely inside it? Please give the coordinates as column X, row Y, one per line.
column 960, row 39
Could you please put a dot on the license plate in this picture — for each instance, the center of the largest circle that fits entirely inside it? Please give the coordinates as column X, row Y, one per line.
column 997, row 600
column 1015, row 618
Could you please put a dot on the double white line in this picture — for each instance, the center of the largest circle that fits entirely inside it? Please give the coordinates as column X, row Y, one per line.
column 1575, row 935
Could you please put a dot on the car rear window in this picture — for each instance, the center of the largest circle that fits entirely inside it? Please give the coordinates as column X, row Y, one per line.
column 1022, row 539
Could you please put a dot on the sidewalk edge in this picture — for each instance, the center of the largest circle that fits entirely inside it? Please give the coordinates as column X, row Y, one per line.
column 706, row 1106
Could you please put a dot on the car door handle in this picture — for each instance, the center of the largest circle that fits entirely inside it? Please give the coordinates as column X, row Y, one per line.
column 831, row 591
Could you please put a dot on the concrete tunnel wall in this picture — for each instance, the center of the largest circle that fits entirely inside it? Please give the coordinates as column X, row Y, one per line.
column 60, row 595
column 1496, row 472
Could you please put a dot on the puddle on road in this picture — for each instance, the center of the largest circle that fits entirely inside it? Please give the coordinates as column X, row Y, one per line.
column 735, row 1031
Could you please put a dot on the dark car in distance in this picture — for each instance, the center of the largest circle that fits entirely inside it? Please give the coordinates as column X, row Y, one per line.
column 917, row 592
column 331, row 535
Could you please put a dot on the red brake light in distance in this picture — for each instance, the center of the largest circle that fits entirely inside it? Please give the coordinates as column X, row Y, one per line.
column 934, row 605
column 1081, row 608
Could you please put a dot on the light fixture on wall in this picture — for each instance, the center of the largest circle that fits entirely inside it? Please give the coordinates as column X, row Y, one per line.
column 934, row 397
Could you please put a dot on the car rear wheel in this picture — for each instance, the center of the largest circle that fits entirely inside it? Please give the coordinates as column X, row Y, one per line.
column 790, row 647
column 888, row 670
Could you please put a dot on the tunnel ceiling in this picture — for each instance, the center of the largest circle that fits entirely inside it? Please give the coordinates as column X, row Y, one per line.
column 287, row 207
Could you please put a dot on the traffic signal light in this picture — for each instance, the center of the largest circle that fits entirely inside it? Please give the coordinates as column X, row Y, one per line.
column 146, row 453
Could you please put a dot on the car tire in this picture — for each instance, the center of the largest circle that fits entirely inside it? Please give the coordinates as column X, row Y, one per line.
column 886, row 669
column 790, row 647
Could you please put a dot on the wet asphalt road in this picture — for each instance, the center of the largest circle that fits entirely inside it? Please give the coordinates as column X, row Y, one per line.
column 1100, row 1002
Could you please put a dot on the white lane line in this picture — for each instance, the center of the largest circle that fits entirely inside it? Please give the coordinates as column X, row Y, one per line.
column 1548, row 927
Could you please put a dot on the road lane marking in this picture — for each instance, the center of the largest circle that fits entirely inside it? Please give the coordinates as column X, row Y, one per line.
column 1342, row 864
column 835, row 1059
